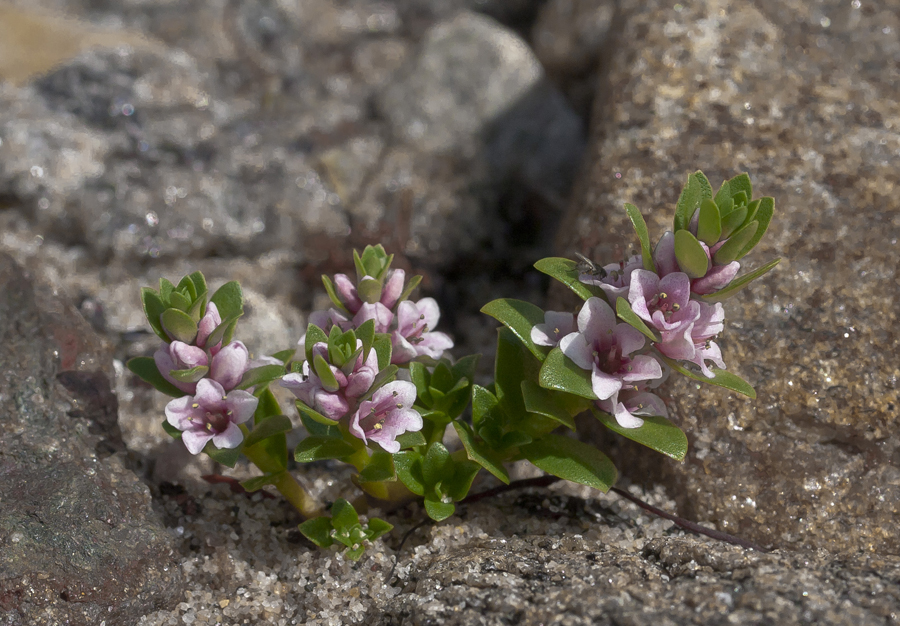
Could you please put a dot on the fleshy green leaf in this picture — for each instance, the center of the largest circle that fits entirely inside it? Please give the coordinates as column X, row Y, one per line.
column 318, row 448
column 377, row 527
column 690, row 255
column 312, row 414
column 262, row 375
column 458, row 485
column 627, row 315
column 332, row 294
column 409, row 470
column 165, row 289
column 275, row 425
column 179, row 325
column 520, row 317
column 226, row 456
column 739, row 283
column 171, row 430
column 191, row 375
column 730, row 249
column 721, row 379
column 509, row 372
column 640, row 228
column 229, row 300
column 656, row 433
column 434, row 463
column 319, row 429
column 223, row 332
column 559, row 372
column 709, row 224
column 144, row 367
column 488, row 416
column 322, row 369
column 410, row 286
column 696, row 189
column 544, row 402
column 255, row 484
column 318, row 531
column 343, row 515
column 733, row 221
column 411, row 439
column 153, row 309
column 186, row 286
column 366, row 333
column 284, row 356
column 382, row 346
column 465, row 367
column 479, row 453
column 763, row 216
column 573, row 460
column 380, row 467
column 369, row 290
column 200, row 287
column 179, row 301
column 314, row 335
column 566, row 272
column 439, row 511
column 268, row 405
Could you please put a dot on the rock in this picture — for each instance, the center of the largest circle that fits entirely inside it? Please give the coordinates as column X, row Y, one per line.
column 568, row 35
column 533, row 580
column 804, row 98
column 81, row 542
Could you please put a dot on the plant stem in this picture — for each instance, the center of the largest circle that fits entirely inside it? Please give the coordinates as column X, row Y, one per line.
column 308, row 506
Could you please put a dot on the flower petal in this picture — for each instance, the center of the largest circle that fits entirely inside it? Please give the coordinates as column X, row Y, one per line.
column 242, row 405
column 179, row 412
column 393, row 287
column 604, row 385
column 664, row 255
column 578, row 350
column 230, row 364
column 195, row 440
column 231, row 437
column 346, row 291
column 643, row 367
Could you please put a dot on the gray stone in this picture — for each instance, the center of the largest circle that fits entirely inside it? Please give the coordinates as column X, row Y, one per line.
column 80, row 540
column 803, row 96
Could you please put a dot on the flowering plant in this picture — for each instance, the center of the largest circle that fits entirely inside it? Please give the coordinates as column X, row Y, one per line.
column 375, row 388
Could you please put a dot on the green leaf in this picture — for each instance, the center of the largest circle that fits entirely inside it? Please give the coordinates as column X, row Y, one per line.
column 410, row 286
column 268, row 405
column 488, row 416
column 369, row 290
column 153, row 309
column 572, row 460
column 709, row 224
column 318, row 429
column 640, row 228
column 255, row 484
column 186, row 287
column 366, row 333
column 313, row 415
column 411, row 439
column 465, row 367
column 627, row 315
column 437, row 510
column 729, row 250
column 144, row 367
column 520, row 317
column 318, row 448
column 323, row 370
column 421, row 378
column 226, row 456
column 275, row 425
column 409, row 470
column 262, row 375
column 314, row 335
column 223, row 332
column 382, row 347
column 559, row 372
column 696, row 189
column 544, row 402
column 733, row 221
column 191, row 375
column 318, row 531
column 332, row 294
column 763, row 216
column 229, row 300
column 200, row 287
column 656, row 433
column 284, row 356
column 739, row 283
column 566, row 272
column 479, row 453
column 179, row 301
column 171, row 430
column 741, row 183
column 721, row 379
column 434, row 463
column 376, row 528
column 441, row 378
column 690, row 255
column 380, row 467
column 514, row 439
column 179, row 325
column 458, row 485
column 165, row 289
column 343, row 515
column 509, row 372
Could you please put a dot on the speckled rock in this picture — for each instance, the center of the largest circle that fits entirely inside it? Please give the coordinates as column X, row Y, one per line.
column 539, row 581
column 804, row 96
column 80, row 540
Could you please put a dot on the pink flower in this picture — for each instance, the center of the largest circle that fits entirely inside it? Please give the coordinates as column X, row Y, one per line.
column 387, row 415
column 413, row 337
column 556, row 326
column 709, row 324
column 664, row 303
column 631, row 403
column 229, row 365
column 211, row 415
column 606, row 349
column 716, row 278
column 180, row 356
column 390, row 292
column 618, row 277
column 333, row 403
column 207, row 324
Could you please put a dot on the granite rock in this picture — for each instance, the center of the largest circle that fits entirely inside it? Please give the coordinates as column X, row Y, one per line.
column 803, row 96
column 81, row 540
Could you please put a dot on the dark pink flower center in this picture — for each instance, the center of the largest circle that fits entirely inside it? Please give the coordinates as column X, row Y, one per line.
column 664, row 304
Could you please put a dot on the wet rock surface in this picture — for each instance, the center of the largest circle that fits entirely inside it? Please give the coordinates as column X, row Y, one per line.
column 80, row 540
column 804, row 97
